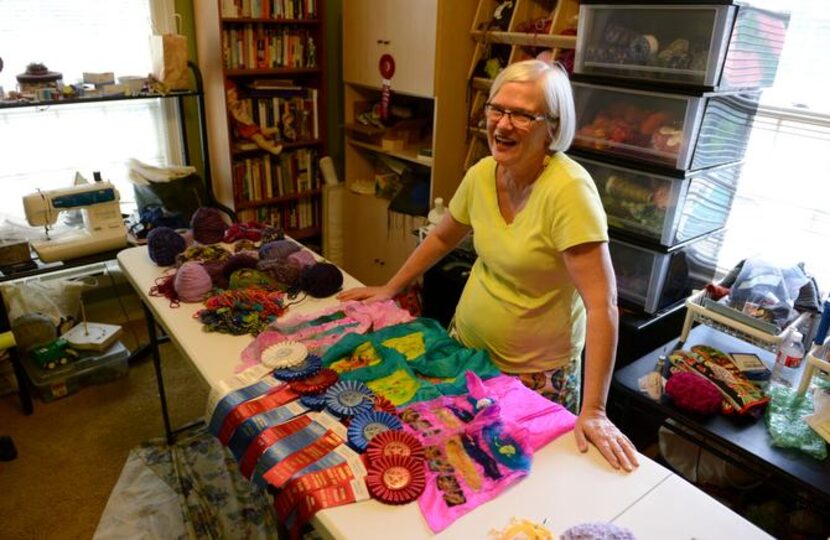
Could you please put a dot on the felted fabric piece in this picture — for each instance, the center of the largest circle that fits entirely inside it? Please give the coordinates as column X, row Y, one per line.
column 478, row 444
column 408, row 362
column 318, row 331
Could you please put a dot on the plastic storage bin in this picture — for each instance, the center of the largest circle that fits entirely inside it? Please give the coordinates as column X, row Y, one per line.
column 652, row 280
column 91, row 367
column 661, row 209
column 714, row 47
column 674, row 131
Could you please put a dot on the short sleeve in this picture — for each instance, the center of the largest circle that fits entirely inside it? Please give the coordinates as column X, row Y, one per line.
column 579, row 218
column 460, row 202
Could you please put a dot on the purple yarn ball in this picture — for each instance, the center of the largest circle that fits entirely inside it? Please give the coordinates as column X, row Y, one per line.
column 163, row 244
column 597, row 531
column 321, row 280
column 216, row 271
column 208, row 225
column 278, row 249
column 284, row 272
column 303, row 258
column 192, row 282
column 238, row 261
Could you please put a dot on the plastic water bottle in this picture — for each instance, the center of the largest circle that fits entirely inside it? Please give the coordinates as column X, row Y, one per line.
column 791, row 352
column 437, row 213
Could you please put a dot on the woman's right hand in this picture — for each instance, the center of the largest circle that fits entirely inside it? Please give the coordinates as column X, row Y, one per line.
column 368, row 294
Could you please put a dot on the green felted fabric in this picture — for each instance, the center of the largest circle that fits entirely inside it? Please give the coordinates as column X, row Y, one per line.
column 408, row 362
column 785, row 422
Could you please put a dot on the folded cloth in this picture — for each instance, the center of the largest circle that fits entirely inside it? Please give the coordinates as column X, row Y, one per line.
column 142, row 174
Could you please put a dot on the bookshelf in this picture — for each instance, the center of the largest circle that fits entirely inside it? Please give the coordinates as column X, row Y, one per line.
column 271, row 53
column 510, row 35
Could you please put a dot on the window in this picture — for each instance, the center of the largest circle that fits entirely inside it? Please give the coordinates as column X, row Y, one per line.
column 782, row 207
column 43, row 147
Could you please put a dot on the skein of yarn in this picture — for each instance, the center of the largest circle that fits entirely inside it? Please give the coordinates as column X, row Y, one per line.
column 238, row 261
column 163, row 244
column 302, row 258
column 285, row 272
column 192, row 282
column 321, row 280
column 269, row 234
column 278, row 249
column 216, row 271
column 208, row 225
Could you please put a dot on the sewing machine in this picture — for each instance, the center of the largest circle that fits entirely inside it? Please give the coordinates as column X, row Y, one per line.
column 103, row 229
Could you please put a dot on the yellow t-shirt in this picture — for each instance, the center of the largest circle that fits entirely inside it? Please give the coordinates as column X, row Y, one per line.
column 519, row 302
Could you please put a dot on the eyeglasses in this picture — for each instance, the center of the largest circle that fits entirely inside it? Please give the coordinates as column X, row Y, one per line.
column 519, row 119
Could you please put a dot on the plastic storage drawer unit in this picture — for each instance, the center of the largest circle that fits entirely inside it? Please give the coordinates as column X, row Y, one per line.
column 674, row 131
column 714, row 47
column 652, row 280
column 661, row 209
column 90, row 368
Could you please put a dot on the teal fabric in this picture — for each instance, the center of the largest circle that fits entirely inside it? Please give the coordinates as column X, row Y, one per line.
column 443, row 358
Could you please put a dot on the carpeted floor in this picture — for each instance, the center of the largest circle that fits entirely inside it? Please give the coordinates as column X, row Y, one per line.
column 71, row 451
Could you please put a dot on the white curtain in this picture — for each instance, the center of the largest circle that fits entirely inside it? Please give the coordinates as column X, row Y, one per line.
column 43, row 146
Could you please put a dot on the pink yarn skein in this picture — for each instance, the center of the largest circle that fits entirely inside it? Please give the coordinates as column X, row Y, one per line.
column 192, row 282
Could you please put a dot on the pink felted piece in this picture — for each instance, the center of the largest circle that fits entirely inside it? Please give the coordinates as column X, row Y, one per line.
column 694, row 393
column 357, row 318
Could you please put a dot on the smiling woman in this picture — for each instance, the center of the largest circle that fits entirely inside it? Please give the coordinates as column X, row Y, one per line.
column 543, row 285
column 44, row 146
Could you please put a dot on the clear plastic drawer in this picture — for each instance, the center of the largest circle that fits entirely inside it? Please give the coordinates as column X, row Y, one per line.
column 653, row 280
column 677, row 131
column 718, row 47
column 661, row 209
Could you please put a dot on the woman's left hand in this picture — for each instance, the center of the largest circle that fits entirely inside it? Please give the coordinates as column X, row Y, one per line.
column 615, row 447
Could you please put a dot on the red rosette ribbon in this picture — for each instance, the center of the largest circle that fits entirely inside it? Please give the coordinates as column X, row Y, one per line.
column 316, row 384
column 396, row 479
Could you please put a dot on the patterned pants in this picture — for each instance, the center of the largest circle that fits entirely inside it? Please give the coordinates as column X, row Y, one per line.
column 559, row 385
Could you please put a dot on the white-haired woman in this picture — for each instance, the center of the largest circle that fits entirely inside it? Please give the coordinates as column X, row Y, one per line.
column 543, row 286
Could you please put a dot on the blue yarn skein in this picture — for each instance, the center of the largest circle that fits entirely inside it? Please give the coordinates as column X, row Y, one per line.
column 278, row 249
column 163, row 244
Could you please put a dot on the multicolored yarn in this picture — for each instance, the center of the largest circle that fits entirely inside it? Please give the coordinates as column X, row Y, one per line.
column 271, row 233
column 250, row 278
column 278, row 249
column 203, row 254
column 192, row 282
column 303, row 258
column 163, row 244
column 249, row 231
column 321, row 280
column 164, row 287
column 284, row 272
column 238, row 261
column 242, row 246
column 208, row 226
column 242, row 311
column 215, row 270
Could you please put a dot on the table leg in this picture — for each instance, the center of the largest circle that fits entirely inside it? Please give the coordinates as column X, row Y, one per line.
column 154, row 347
column 22, row 382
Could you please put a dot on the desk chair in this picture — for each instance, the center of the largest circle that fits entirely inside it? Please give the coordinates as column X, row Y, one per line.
column 7, row 343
